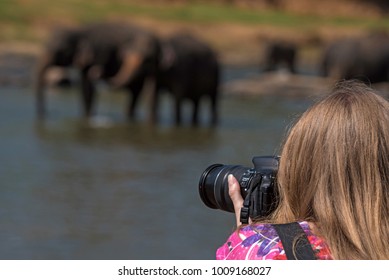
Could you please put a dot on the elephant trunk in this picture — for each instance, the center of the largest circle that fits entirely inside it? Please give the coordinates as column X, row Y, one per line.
column 130, row 66
column 40, row 83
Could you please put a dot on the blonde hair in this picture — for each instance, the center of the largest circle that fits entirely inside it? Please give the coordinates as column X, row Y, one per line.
column 334, row 172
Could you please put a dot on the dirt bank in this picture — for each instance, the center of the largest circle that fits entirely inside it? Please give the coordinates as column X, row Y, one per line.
column 236, row 44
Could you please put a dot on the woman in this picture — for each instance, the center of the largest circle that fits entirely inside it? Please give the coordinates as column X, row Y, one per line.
column 333, row 179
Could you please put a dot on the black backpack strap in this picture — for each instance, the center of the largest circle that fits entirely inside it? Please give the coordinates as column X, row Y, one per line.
column 295, row 241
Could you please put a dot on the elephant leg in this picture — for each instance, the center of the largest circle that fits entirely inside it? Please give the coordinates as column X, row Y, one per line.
column 154, row 104
column 195, row 112
column 136, row 89
column 132, row 105
column 88, row 95
column 290, row 65
column 214, row 112
column 178, row 113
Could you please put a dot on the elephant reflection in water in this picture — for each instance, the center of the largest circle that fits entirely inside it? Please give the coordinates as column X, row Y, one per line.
column 189, row 70
column 122, row 55
column 365, row 58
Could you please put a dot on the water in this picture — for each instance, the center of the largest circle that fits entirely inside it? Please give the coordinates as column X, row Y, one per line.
column 109, row 189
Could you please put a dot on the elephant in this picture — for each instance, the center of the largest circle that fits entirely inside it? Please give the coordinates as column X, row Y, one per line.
column 190, row 71
column 365, row 58
column 280, row 53
column 339, row 59
column 59, row 52
column 123, row 55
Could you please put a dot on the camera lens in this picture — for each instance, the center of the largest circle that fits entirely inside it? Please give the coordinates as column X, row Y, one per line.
column 213, row 185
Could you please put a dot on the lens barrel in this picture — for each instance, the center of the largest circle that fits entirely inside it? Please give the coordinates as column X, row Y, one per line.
column 213, row 185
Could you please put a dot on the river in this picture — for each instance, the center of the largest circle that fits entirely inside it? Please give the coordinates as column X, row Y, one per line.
column 109, row 189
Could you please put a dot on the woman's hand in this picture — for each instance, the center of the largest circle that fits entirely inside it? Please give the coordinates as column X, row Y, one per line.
column 236, row 197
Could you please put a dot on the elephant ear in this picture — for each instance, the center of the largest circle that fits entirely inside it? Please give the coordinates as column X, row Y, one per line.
column 168, row 57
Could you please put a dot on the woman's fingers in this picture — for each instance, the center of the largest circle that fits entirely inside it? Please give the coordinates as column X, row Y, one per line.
column 236, row 197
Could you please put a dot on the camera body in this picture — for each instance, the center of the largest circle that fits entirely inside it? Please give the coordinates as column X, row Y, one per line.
column 257, row 187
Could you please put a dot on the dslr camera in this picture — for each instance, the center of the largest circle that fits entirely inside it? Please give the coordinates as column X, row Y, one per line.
column 257, row 187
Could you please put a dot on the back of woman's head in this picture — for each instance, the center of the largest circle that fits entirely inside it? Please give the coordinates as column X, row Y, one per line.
column 334, row 171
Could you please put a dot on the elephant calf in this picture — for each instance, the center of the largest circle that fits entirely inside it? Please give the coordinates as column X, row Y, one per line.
column 280, row 53
column 189, row 70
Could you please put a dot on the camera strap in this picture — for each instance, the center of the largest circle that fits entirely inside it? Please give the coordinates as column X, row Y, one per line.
column 295, row 241
column 245, row 210
column 258, row 201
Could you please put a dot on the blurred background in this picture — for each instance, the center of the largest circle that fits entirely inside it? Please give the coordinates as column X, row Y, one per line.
column 83, row 178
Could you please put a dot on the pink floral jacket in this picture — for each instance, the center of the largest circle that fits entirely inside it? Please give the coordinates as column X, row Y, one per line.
column 261, row 242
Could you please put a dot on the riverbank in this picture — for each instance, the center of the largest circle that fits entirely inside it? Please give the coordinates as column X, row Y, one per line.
column 238, row 30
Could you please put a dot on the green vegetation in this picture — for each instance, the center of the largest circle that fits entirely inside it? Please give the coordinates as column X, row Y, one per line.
column 25, row 19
